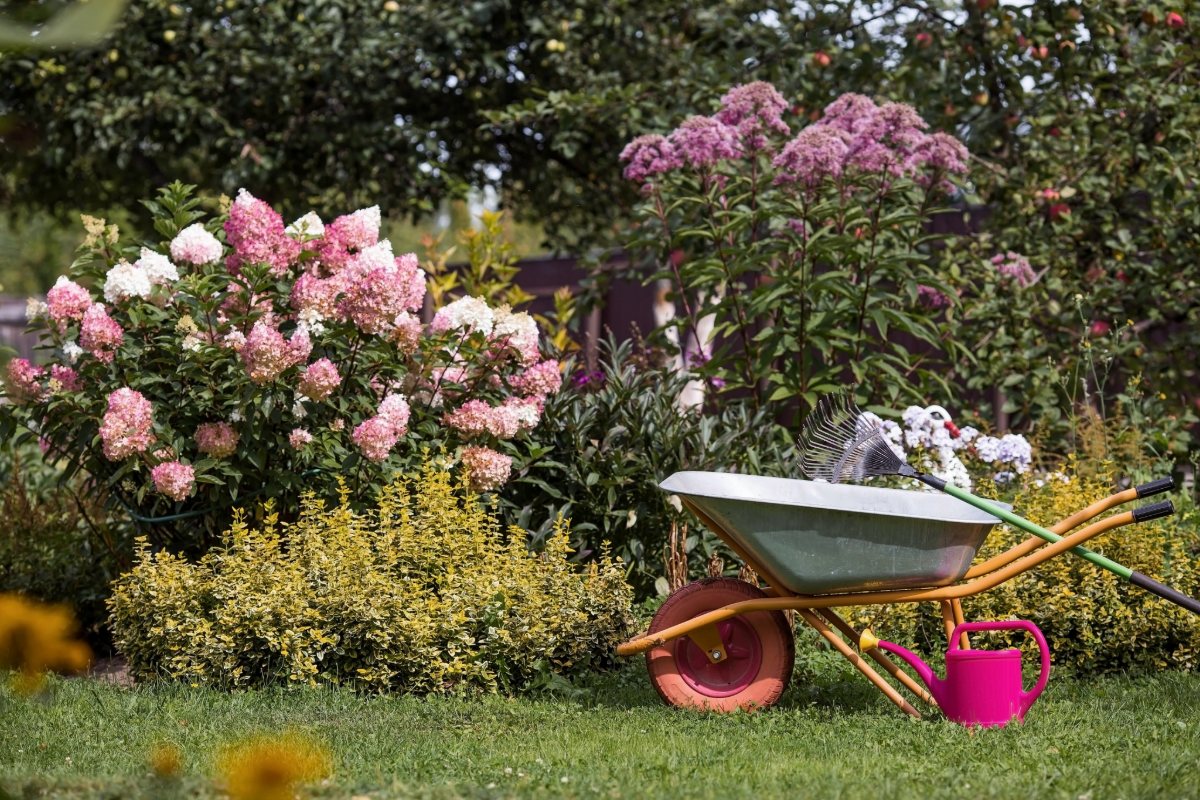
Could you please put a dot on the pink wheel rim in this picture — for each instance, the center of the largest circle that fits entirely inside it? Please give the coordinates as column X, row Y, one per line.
column 728, row 677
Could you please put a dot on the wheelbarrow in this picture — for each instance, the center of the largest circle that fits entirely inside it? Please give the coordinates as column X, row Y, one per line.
column 723, row 644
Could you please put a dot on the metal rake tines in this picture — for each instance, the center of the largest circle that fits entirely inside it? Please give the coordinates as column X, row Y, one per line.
column 838, row 442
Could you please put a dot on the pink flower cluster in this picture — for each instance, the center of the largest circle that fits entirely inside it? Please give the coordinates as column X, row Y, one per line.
column 377, row 435
column 346, row 236
column 267, row 354
column 24, row 382
column 67, row 302
column 127, row 426
column 217, row 439
column 67, row 379
column 299, row 438
column 539, row 380
column 1015, row 266
column 195, row 245
column 257, row 234
column 702, row 142
column 818, row 152
column 649, row 155
column 100, row 334
column 513, row 416
column 319, row 379
column 517, row 331
column 485, row 468
column 931, row 297
column 374, row 299
column 752, row 109
column 174, row 479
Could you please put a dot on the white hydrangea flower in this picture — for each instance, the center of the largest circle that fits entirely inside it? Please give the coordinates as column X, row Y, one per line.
column 235, row 416
column 298, row 407
column 35, row 309
column 235, row 340
column 518, row 330
column 308, row 226
column 124, row 281
column 195, row 245
column 71, row 351
column 470, row 313
column 191, row 343
column 158, row 268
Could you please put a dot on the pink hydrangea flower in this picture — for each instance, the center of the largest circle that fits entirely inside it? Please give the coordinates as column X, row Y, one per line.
column 486, row 469
column 100, row 334
column 374, row 300
column 66, row 378
column 67, row 301
column 1015, row 266
column 406, row 332
column 650, row 155
column 942, row 154
column 931, row 297
column 346, row 236
column 375, row 437
column 127, row 426
column 319, row 379
column 310, row 292
column 299, row 438
column 257, row 234
column 850, row 112
column 395, row 410
column 174, row 479
column 24, row 382
column 195, row 245
column 267, row 354
column 476, row 418
column 217, row 439
column 702, row 142
column 539, row 380
column 753, row 109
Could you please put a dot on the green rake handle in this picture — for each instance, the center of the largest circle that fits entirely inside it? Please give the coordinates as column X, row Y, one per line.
column 1142, row 514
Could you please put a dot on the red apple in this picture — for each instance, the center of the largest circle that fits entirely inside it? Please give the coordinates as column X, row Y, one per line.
column 821, row 59
column 1175, row 20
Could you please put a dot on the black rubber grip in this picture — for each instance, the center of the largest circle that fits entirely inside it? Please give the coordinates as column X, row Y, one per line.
column 931, row 480
column 1156, row 487
column 1154, row 511
column 1165, row 592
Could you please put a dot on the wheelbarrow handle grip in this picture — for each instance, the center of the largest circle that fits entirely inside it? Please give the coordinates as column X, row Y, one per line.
column 1165, row 592
column 1155, row 487
column 1153, row 511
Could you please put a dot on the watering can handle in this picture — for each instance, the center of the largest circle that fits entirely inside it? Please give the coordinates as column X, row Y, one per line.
column 1028, row 697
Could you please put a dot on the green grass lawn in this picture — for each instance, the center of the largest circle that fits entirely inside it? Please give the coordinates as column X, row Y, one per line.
column 830, row 737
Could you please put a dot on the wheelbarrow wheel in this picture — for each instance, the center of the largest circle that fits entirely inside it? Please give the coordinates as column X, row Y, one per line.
column 760, row 649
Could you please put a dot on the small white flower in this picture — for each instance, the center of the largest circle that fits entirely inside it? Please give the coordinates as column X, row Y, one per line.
column 307, row 227
column 126, row 280
column 235, row 340
column 235, row 416
column 158, row 268
column 35, row 308
column 471, row 313
column 298, row 407
column 71, row 351
column 191, row 343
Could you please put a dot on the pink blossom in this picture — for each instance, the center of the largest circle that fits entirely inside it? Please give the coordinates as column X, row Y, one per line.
column 1099, row 328
column 217, row 439
column 319, row 379
column 485, row 468
column 127, row 427
column 394, row 409
column 257, row 235
column 818, row 152
column 649, row 155
column 374, row 300
column 174, row 479
column 406, row 332
column 887, row 140
column 941, row 153
column 267, row 354
column 66, row 378
column 850, row 112
column 753, row 109
column 195, row 245
column 346, row 236
column 310, row 292
column 24, row 382
column 375, row 438
column 477, row 418
column 100, row 334
column 701, row 142
column 931, row 297
column 299, row 438
column 1015, row 266
column 539, row 380
column 67, row 301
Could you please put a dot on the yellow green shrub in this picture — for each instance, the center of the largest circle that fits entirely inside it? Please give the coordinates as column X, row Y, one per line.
column 1094, row 621
column 423, row 593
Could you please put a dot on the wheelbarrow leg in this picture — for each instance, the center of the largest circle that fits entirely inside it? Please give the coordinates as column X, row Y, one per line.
column 948, row 618
column 956, row 606
column 877, row 656
column 854, row 658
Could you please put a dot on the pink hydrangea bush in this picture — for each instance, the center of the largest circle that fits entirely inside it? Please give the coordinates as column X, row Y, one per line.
column 246, row 357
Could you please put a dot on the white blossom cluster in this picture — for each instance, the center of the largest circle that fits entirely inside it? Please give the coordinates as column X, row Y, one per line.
column 471, row 313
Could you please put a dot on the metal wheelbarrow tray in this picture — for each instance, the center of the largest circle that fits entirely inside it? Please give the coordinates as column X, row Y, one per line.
column 724, row 644
column 821, row 538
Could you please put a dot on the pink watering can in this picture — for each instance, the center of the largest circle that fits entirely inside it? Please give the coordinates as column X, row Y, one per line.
column 981, row 687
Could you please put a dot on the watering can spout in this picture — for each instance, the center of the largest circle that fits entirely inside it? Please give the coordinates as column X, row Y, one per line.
column 925, row 672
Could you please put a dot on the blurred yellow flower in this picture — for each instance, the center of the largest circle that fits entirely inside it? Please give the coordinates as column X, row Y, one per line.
column 270, row 767
column 166, row 761
column 36, row 638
